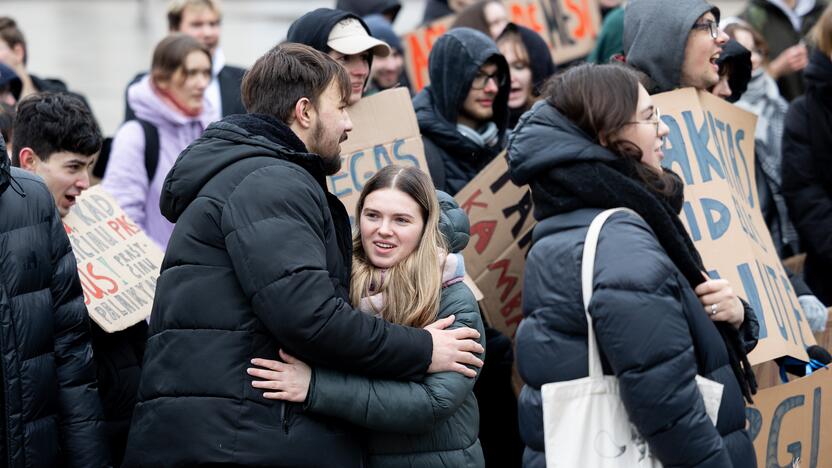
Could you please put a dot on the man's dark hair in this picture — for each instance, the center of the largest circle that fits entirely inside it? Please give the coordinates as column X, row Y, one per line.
column 53, row 122
column 288, row 73
column 12, row 35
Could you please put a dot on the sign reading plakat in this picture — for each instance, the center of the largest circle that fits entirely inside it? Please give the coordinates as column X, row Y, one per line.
column 500, row 215
column 385, row 132
column 117, row 263
column 569, row 27
column 791, row 424
column 711, row 147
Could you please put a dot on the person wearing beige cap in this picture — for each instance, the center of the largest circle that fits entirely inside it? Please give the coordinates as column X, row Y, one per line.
column 344, row 37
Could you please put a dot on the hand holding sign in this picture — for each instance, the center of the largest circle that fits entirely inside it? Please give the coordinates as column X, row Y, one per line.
column 720, row 301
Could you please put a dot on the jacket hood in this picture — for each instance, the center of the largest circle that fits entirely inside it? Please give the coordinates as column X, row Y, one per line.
column 818, row 73
column 453, row 223
column 544, row 139
column 224, row 143
column 370, row 7
column 739, row 58
column 656, row 34
column 148, row 106
column 540, row 57
column 454, row 61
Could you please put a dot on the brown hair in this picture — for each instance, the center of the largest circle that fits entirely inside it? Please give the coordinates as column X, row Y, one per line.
column 177, row 7
column 287, row 73
column 12, row 35
column 582, row 94
column 822, row 32
column 760, row 42
column 512, row 38
column 170, row 54
column 413, row 286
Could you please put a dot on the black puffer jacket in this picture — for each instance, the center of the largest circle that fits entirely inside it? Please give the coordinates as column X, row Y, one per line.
column 50, row 414
column 650, row 326
column 807, row 173
column 455, row 60
column 259, row 260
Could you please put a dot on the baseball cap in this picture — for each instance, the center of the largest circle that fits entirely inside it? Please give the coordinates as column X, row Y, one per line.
column 349, row 37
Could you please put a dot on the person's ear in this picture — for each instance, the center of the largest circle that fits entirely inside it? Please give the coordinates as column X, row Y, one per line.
column 305, row 114
column 28, row 159
column 603, row 140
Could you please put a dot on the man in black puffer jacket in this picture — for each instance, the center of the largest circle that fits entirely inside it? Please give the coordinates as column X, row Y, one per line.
column 50, row 414
column 259, row 260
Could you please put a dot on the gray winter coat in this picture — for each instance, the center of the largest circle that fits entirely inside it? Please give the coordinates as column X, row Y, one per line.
column 427, row 424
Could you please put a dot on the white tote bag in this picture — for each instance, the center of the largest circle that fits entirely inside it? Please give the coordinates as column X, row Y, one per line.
column 584, row 420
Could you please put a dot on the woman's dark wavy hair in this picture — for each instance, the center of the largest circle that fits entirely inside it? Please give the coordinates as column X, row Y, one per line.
column 601, row 100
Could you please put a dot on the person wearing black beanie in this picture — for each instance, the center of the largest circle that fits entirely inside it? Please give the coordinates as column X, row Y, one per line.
column 344, row 37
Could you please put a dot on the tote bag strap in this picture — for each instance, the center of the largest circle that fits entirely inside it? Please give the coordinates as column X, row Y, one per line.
column 587, row 275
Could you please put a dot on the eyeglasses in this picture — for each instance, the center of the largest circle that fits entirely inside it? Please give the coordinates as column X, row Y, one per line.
column 710, row 26
column 656, row 120
column 482, row 79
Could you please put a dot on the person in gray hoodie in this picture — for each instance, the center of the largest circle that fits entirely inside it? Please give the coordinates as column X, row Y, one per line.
column 676, row 44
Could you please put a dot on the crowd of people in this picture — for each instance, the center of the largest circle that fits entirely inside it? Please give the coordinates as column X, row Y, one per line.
column 283, row 335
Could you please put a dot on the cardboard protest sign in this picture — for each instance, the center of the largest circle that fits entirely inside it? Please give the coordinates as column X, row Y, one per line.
column 790, row 425
column 384, row 132
column 569, row 27
column 500, row 215
column 573, row 26
column 417, row 45
column 117, row 263
column 711, row 147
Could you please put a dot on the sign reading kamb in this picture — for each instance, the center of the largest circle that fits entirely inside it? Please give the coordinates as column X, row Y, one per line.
column 790, row 425
column 711, row 147
column 117, row 263
column 501, row 220
column 385, row 132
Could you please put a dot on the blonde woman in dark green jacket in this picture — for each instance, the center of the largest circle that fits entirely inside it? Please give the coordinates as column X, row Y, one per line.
column 407, row 270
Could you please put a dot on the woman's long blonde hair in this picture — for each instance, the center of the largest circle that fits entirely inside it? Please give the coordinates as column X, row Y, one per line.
column 411, row 287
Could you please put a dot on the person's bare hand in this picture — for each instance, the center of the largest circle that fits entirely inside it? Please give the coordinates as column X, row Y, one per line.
column 453, row 349
column 720, row 302
column 289, row 380
column 791, row 60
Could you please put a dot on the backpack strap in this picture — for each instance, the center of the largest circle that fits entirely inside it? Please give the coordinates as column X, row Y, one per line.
column 151, row 148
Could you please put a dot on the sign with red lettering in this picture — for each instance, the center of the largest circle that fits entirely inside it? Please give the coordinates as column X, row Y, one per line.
column 117, row 263
column 790, row 425
column 711, row 147
column 500, row 215
column 385, row 132
column 569, row 27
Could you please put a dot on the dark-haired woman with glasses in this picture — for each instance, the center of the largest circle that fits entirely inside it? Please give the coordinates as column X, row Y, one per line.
column 659, row 321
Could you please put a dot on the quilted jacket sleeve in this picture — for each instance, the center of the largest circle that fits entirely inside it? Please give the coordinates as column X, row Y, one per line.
column 641, row 328
column 81, row 417
column 278, row 249
column 403, row 407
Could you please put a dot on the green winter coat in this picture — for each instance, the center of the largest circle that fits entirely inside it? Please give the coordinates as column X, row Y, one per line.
column 433, row 423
